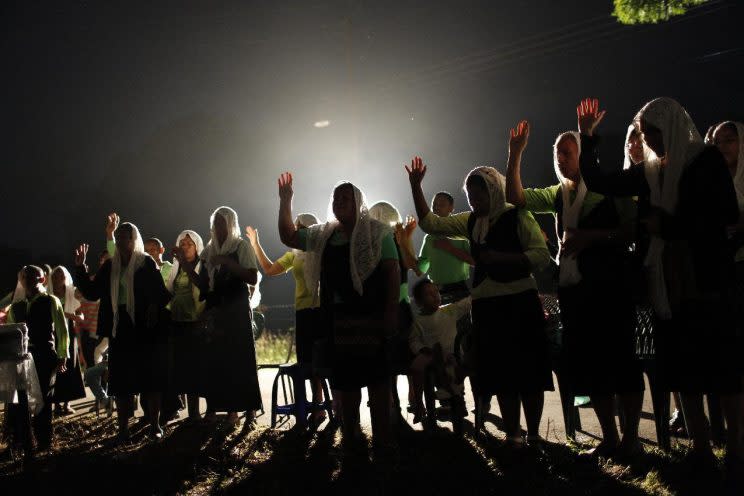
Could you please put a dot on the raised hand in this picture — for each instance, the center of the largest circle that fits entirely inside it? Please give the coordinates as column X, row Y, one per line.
column 285, row 186
column 252, row 235
column 589, row 116
column 112, row 222
column 80, row 253
column 417, row 171
column 518, row 138
column 410, row 225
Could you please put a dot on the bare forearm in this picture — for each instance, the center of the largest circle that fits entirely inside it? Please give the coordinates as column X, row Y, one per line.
column 419, row 201
column 287, row 230
column 463, row 255
column 514, row 188
column 263, row 260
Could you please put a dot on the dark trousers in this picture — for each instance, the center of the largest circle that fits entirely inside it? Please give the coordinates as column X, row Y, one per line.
column 46, row 369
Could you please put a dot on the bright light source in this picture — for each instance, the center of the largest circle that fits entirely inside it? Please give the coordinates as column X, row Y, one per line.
column 320, row 124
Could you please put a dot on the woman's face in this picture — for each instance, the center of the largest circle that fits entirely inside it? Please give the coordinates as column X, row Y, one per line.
column 220, row 228
column 344, row 205
column 188, row 247
column 635, row 147
column 124, row 242
column 567, row 156
column 653, row 138
column 728, row 141
column 478, row 198
column 58, row 282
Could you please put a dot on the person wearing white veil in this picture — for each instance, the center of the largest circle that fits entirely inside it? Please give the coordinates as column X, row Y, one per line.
column 307, row 312
column 230, row 264
column 594, row 233
column 686, row 200
column 69, row 385
column 188, row 327
column 351, row 268
column 132, row 299
column 508, row 353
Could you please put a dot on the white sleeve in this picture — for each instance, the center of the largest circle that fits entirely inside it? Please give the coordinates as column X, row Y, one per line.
column 246, row 256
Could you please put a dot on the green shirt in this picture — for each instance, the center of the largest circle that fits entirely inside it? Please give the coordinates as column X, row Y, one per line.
column 303, row 297
column 165, row 270
column 529, row 234
column 59, row 321
column 185, row 305
column 542, row 201
column 442, row 266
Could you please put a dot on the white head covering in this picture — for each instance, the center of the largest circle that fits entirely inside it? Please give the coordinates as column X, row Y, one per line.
column 231, row 242
column 304, row 220
column 627, row 162
column 386, row 213
column 682, row 143
column 366, row 244
column 739, row 176
column 496, row 185
column 19, row 293
column 135, row 262
column 194, row 236
column 71, row 302
column 568, row 268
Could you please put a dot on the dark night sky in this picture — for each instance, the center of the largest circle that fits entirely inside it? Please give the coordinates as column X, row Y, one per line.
column 165, row 113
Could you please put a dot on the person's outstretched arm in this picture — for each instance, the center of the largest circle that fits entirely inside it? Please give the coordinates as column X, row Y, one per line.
column 415, row 176
column 517, row 143
column 287, row 230
column 269, row 268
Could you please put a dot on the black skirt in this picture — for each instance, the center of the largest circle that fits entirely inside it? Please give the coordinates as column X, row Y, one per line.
column 69, row 385
column 187, row 371
column 307, row 331
column 598, row 354
column 508, row 349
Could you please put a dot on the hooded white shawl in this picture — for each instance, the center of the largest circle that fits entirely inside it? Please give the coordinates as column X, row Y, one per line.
column 230, row 245
column 135, row 262
column 496, row 184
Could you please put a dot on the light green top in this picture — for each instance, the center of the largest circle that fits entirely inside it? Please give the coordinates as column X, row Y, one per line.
column 303, row 297
column 59, row 321
column 529, row 234
column 542, row 201
column 443, row 267
column 165, row 270
column 185, row 305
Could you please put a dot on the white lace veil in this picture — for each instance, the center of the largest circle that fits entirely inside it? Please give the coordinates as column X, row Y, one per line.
column 194, row 236
column 627, row 162
column 739, row 176
column 366, row 244
column 682, row 143
column 71, row 302
column 135, row 262
column 496, row 184
column 231, row 242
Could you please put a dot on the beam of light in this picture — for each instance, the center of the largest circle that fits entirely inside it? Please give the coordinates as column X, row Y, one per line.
column 322, row 124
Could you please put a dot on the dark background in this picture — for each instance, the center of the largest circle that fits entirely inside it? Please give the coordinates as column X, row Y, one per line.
column 163, row 113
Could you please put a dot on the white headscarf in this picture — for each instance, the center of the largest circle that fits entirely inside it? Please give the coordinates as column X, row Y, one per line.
column 366, row 244
column 739, row 176
column 385, row 212
column 568, row 268
column 627, row 161
column 231, row 242
column 71, row 302
column 682, row 143
column 19, row 293
column 496, row 185
column 194, row 236
column 303, row 220
column 135, row 262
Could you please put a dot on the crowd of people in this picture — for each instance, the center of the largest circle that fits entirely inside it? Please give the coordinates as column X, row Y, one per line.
column 663, row 230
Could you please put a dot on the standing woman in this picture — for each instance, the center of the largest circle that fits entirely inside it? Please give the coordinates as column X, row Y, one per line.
column 308, row 328
column 351, row 265
column 133, row 296
column 231, row 267
column 187, row 370
column 69, row 385
column 509, row 347
column 687, row 199
column 594, row 287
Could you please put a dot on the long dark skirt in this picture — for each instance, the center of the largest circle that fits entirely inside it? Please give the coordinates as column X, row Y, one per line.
column 70, row 385
column 307, row 331
column 699, row 350
column 138, row 360
column 231, row 360
column 188, row 365
column 508, row 352
column 598, row 352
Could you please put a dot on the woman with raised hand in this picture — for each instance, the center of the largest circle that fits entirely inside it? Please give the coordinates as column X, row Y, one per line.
column 308, row 328
column 188, row 328
column 509, row 353
column 594, row 287
column 686, row 200
column 133, row 296
column 231, row 266
column 351, row 268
